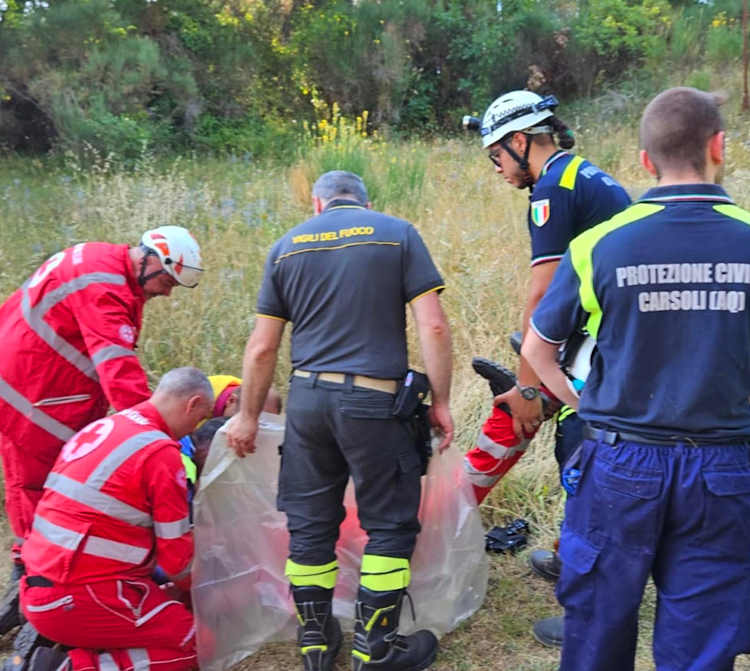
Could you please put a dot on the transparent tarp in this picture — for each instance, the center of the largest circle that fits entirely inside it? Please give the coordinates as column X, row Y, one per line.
column 240, row 594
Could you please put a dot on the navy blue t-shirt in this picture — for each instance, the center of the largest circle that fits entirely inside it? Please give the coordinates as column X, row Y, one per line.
column 570, row 196
column 343, row 279
column 663, row 287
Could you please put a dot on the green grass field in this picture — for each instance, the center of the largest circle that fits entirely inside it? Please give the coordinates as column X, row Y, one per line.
column 473, row 223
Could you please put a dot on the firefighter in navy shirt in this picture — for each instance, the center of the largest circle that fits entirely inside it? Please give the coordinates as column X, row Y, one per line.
column 343, row 278
column 664, row 471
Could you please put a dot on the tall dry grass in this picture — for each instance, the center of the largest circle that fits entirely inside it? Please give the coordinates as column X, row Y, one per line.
column 473, row 223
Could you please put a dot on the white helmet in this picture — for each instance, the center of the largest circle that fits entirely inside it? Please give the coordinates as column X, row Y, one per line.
column 178, row 251
column 516, row 111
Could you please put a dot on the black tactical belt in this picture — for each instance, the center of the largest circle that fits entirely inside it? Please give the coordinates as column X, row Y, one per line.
column 612, row 437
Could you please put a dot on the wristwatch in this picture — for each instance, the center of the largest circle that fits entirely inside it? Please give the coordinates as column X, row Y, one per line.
column 529, row 393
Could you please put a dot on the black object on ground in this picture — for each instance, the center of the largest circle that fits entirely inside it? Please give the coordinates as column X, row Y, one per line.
column 509, row 538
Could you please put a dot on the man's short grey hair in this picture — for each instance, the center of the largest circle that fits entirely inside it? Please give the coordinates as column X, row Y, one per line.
column 184, row 382
column 340, row 184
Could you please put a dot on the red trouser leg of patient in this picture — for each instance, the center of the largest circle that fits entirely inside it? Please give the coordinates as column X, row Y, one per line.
column 497, row 449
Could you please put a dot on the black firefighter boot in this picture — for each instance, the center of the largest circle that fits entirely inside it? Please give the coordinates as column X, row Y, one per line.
column 319, row 632
column 10, row 615
column 377, row 644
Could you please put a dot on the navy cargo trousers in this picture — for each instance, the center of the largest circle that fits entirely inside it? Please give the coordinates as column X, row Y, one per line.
column 334, row 431
column 679, row 513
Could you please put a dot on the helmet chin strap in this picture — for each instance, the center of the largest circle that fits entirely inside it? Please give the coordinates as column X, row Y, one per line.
column 142, row 277
column 522, row 162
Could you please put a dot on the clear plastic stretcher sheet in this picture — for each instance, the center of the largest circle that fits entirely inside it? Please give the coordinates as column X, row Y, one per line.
column 240, row 594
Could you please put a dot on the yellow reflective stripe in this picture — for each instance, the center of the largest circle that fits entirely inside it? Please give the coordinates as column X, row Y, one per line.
column 191, row 470
column 281, row 319
column 380, row 611
column 564, row 412
column 309, row 648
column 321, row 575
column 568, row 178
column 734, row 212
column 383, row 574
column 429, row 291
column 361, row 655
column 334, row 247
column 581, row 257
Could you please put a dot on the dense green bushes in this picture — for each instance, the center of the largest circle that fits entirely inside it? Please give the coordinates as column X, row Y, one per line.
column 241, row 76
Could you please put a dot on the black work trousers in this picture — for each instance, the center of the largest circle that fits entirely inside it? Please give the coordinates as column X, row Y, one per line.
column 337, row 430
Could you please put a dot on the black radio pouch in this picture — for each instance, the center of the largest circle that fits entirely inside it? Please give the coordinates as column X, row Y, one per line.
column 409, row 405
column 420, row 423
column 411, row 394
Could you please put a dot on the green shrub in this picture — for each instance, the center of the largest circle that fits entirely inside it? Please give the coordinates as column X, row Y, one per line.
column 724, row 39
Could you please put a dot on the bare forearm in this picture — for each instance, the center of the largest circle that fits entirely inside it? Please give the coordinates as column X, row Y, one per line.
column 258, row 366
column 437, row 354
column 527, row 377
column 434, row 335
column 257, row 375
column 541, row 276
column 543, row 357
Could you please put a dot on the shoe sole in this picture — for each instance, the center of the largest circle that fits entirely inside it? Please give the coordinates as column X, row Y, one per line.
column 424, row 664
column 546, row 642
column 499, row 377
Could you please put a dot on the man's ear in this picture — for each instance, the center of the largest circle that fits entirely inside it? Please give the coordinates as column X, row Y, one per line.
column 648, row 164
column 519, row 141
column 317, row 205
column 716, row 144
column 194, row 403
column 369, row 205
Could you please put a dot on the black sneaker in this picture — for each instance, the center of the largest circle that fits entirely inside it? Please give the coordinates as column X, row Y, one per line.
column 549, row 631
column 546, row 564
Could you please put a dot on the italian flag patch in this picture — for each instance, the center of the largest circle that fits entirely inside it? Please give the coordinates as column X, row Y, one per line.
column 540, row 211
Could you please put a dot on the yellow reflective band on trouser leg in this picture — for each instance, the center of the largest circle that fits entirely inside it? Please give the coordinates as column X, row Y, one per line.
column 361, row 655
column 383, row 574
column 311, row 648
column 303, row 575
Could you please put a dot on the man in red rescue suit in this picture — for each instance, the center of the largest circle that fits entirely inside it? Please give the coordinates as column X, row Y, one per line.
column 114, row 505
column 69, row 336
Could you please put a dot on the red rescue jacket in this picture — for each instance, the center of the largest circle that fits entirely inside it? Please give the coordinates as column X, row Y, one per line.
column 68, row 337
column 114, row 505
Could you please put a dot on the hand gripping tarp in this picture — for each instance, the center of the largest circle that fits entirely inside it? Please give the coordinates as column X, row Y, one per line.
column 240, row 594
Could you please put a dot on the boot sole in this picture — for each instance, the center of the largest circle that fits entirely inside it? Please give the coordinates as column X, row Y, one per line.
column 424, row 664
column 427, row 663
column 549, row 643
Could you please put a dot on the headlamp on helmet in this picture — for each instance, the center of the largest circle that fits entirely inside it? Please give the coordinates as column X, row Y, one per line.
column 178, row 252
